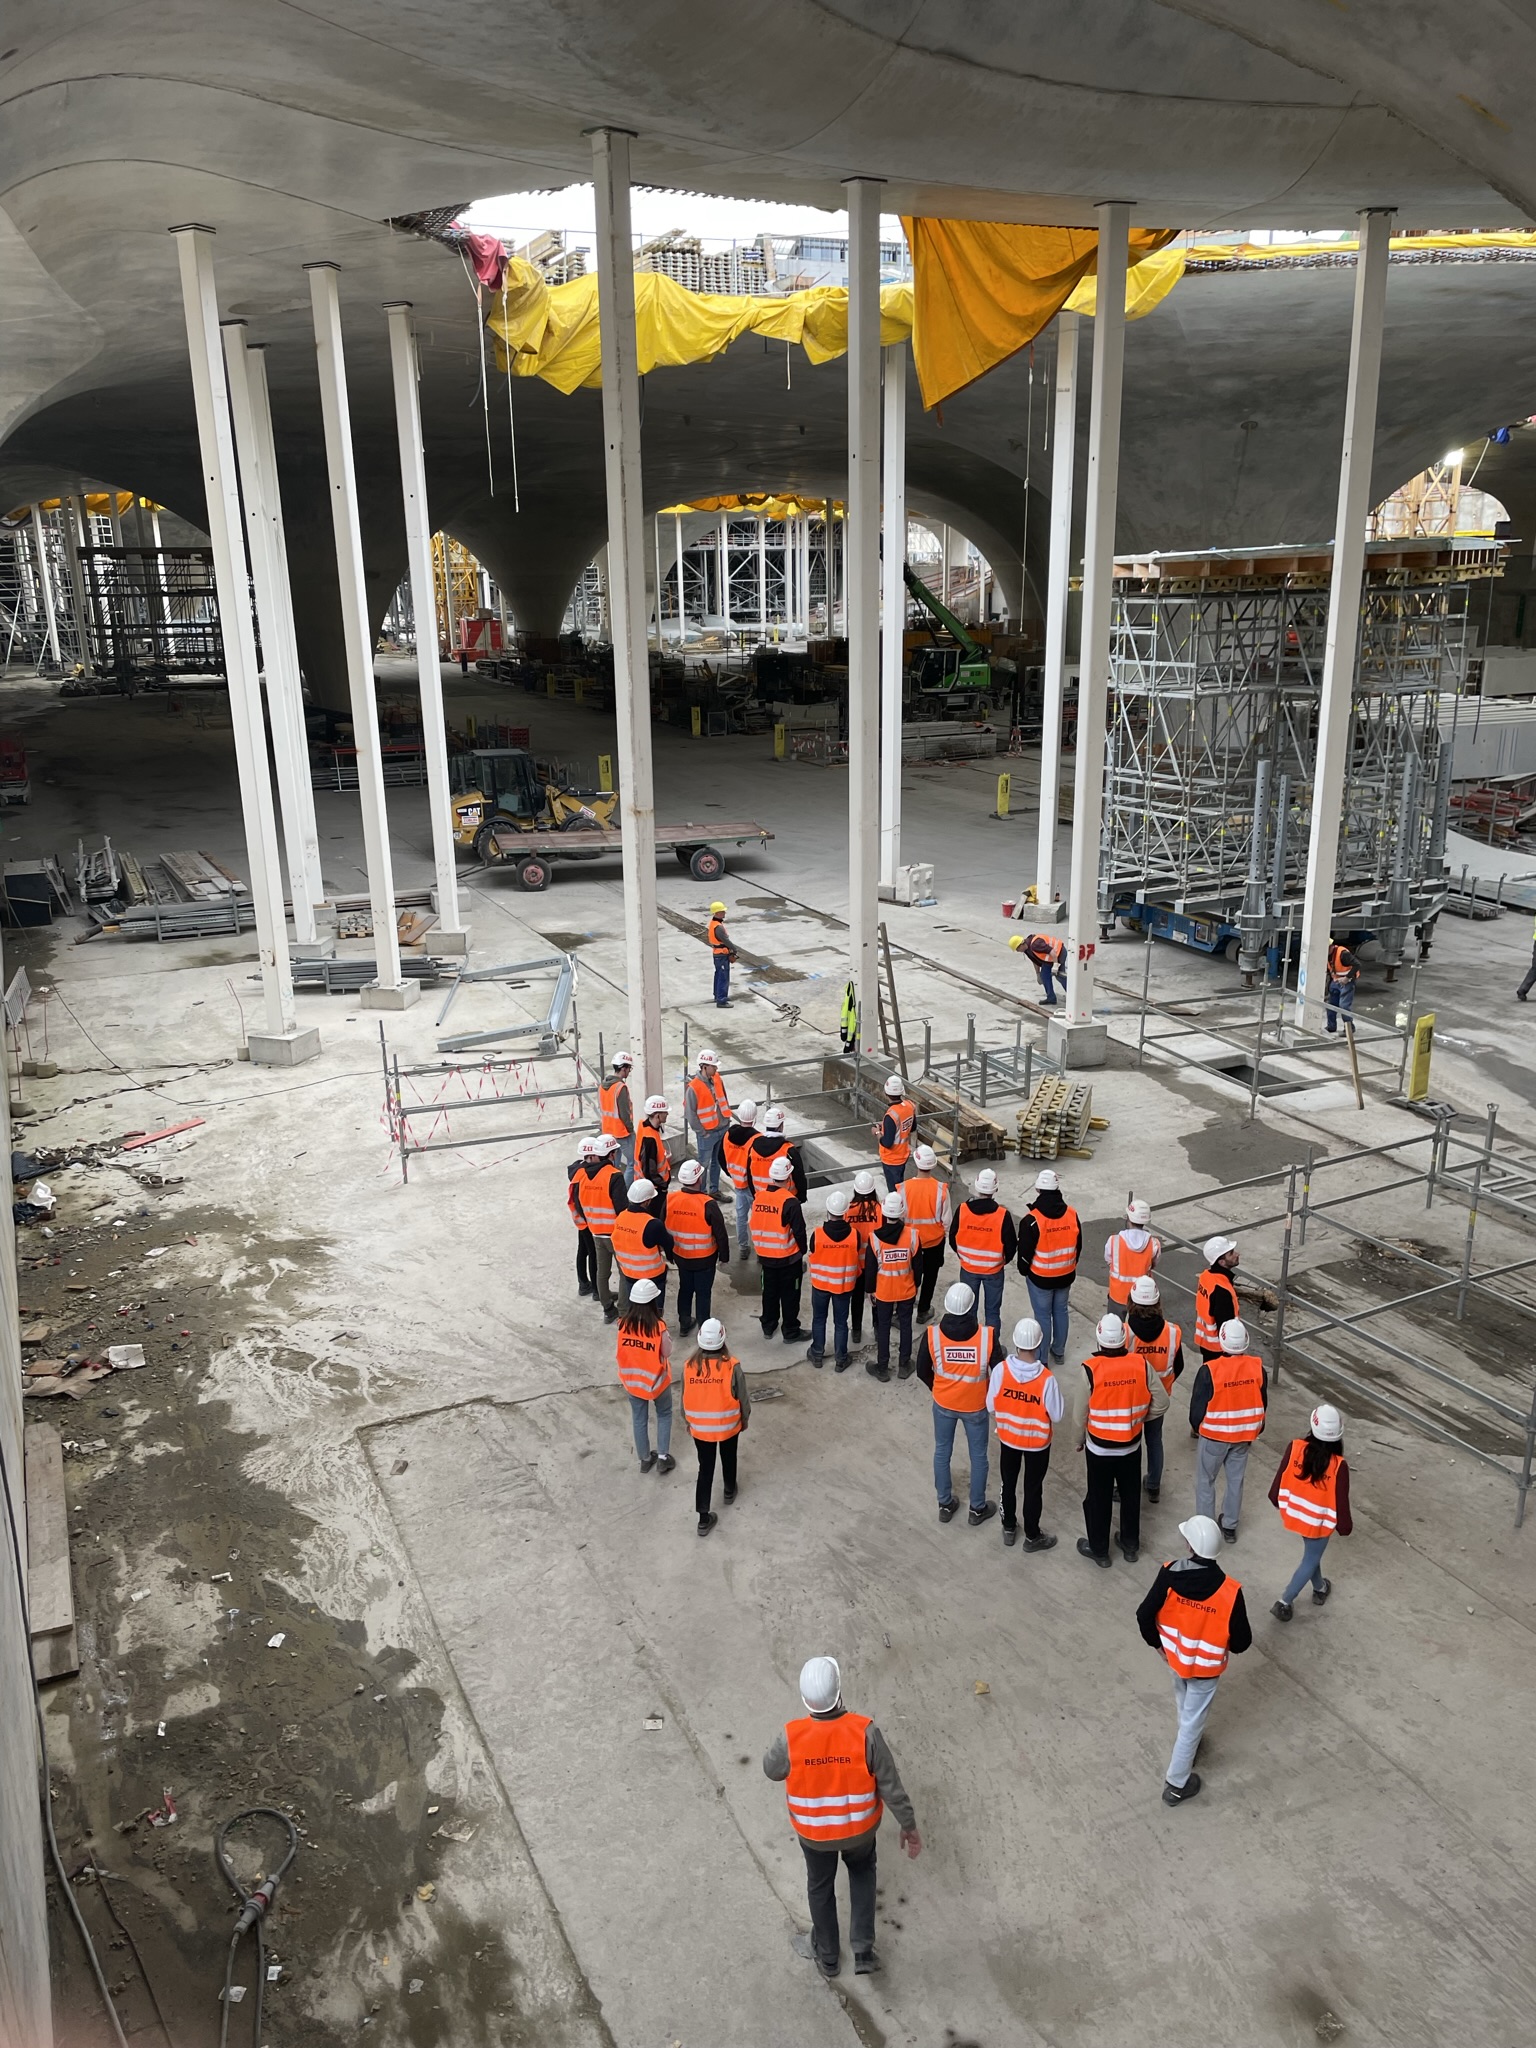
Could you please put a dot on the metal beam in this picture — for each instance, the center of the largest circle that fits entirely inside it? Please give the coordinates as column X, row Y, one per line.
column 45, row 583
column 893, row 608
column 861, row 544
column 1057, row 602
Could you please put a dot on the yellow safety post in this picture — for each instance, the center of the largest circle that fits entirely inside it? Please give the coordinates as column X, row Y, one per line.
column 696, row 719
column 1004, row 791
column 605, row 771
column 779, row 732
column 1423, row 1046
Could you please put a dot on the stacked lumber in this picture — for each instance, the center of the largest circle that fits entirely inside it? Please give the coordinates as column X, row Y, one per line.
column 1055, row 1119
column 863, row 1087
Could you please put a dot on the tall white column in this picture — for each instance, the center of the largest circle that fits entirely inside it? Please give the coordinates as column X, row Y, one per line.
column 893, row 558
column 682, row 608
column 861, row 556
column 626, row 542
column 76, row 533
column 114, row 518
column 1343, row 637
column 390, row 991
column 1057, row 600
column 723, row 544
column 418, row 549
column 45, row 583
column 762, row 577
column 280, row 1044
column 1103, row 482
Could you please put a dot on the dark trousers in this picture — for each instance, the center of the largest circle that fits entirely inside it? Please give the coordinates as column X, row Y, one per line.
column 1530, row 977
column 1106, row 1477
column 722, row 978
column 929, row 1261
column 885, row 1311
column 781, row 1295
column 856, row 1311
column 704, row 1485
column 894, row 1176
column 695, row 1289
column 821, row 1301
column 821, row 1891
column 586, row 1262
column 1035, row 1465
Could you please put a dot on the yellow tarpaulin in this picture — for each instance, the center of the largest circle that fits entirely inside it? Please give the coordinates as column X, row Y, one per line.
column 770, row 504
column 1259, row 253
column 1147, row 284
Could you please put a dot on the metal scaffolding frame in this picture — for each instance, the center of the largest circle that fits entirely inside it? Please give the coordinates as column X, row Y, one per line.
column 154, row 613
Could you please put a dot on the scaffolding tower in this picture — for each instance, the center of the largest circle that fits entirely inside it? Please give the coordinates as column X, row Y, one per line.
column 153, row 613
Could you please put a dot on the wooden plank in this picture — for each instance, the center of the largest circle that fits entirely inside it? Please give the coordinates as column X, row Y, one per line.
column 136, row 1139
column 50, row 1600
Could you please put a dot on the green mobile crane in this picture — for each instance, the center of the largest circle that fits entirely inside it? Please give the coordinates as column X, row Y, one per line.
column 960, row 676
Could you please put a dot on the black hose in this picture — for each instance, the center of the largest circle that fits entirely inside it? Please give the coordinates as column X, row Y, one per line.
column 253, row 1909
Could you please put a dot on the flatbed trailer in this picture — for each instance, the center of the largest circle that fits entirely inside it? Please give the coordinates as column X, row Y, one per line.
column 534, row 854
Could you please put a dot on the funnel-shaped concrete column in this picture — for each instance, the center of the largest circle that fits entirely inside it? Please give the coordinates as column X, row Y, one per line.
column 861, row 542
column 1057, row 600
column 893, row 607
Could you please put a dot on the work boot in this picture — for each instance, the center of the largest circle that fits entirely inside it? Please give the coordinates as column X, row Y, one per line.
column 1175, row 1795
column 1010, row 1534
column 731, row 1493
column 905, row 1370
column 855, row 1337
column 1041, row 1542
column 1320, row 1593
column 878, row 1372
column 706, row 1523
column 865, row 1962
column 1129, row 1551
column 926, row 1316
column 976, row 1516
column 818, row 1358
column 1086, row 1549
column 666, row 1462
column 1229, row 1532
column 766, row 1328
column 948, row 1509
column 795, row 1336
column 745, row 1253
column 647, row 1461
column 840, row 1363
column 611, row 1313
column 1153, row 1493
column 803, row 1947
column 685, row 1326
column 1283, row 1610
column 585, row 1290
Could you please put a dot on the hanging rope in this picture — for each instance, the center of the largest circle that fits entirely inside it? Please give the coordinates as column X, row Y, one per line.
column 485, row 398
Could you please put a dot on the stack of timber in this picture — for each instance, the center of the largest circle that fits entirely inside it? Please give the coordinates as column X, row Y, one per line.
column 975, row 1136
column 1056, row 1119
column 180, row 896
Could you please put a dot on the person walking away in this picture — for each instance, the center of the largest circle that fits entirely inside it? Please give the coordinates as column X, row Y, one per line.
column 716, row 1406
column 616, row 1112
column 699, row 1243
column 1195, row 1617
column 652, row 1160
column 645, row 1373
column 1311, row 1490
column 586, row 1249
column 894, row 1131
column 771, row 1143
column 1524, row 990
column 985, row 1239
column 1215, row 1295
column 838, row 1776
column 1227, row 1406
column 603, row 1199
column 1024, row 1398
column 927, row 1200
column 955, row 1366
column 778, row 1238
column 1161, row 1343
column 724, row 952
column 834, row 1257
column 890, row 1280
column 1119, row 1391
column 706, row 1112
column 1343, row 975
column 642, row 1244
column 734, row 1147
column 864, row 1215
column 1050, row 1245
column 1047, row 956
column 1129, row 1254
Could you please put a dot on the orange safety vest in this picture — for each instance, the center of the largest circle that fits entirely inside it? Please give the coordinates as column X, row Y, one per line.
column 771, row 1236
column 608, row 1106
column 636, row 1260
column 1056, row 1251
column 642, row 1369
column 979, row 1240
column 572, row 1198
column 1022, row 1418
column 758, row 1163
column 1236, row 1412
column 835, row 1261
column 959, row 1369
column 1054, row 949
column 865, row 1214
column 905, row 1113
column 1194, row 1634
column 1207, row 1329
column 1162, row 1350
column 596, row 1201
column 831, row 1790
column 652, row 1162
column 925, row 1195
column 718, row 943
column 1309, row 1507
column 1126, row 1265
column 1337, row 971
column 711, row 1104
column 692, row 1237
column 734, row 1152
column 711, row 1411
column 1119, row 1401
column 894, row 1277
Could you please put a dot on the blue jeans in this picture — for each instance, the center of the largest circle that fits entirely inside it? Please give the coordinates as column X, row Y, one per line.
column 708, row 1145
column 988, row 1288
column 1047, row 986
column 894, row 1176
column 1193, row 1698
column 944, row 1422
column 1050, row 1307
column 695, row 1289
column 722, row 979
column 640, row 1417
column 1152, row 1437
column 1339, row 1002
column 1311, row 1567
column 743, row 1215
column 820, row 1302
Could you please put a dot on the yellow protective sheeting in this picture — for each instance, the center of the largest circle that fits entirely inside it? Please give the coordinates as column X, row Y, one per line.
column 1259, row 253
column 770, row 504
column 99, row 503
column 1147, row 284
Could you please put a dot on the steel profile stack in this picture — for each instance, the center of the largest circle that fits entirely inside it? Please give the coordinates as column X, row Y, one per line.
column 1055, row 1119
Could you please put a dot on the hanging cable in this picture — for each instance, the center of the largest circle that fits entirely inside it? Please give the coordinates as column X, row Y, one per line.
column 485, row 399
column 517, row 504
column 253, row 1910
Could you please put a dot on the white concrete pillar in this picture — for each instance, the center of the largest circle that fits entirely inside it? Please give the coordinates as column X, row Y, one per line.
column 45, row 583
column 280, row 1044
column 1341, row 645
column 682, row 606
column 626, row 543
column 429, row 671
column 1057, row 601
column 762, row 577
column 724, row 545
column 861, row 556
column 76, row 534
column 1102, row 493
column 390, row 991
column 893, row 558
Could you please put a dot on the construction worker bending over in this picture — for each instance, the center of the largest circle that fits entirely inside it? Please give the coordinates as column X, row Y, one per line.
column 778, row 1238
column 1047, row 956
column 956, row 1366
column 642, row 1243
column 1215, row 1295
column 927, row 1200
column 1227, row 1406
column 1119, row 1391
column 586, row 1247
column 835, row 1258
column 865, row 1215
column 707, row 1111
column 1311, row 1490
column 890, row 1279
column 1195, row 1616
column 734, row 1147
column 645, row 1373
column 1025, row 1403
column 724, row 952
column 894, row 1131
column 1343, row 977
column 1129, row 1254
column 716, row 1406
column 839, row 1776
column 1050, row 1245
column 1161, row 1344
column 985, row 1239
column 652, row 1160
column 616, row 1111
column 603, row 1197
column 699, row 1243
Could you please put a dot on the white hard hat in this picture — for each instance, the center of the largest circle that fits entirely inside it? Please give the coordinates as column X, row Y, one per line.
column 1216, row 1248
column 642, row 1291
column 774, row 1120
column 864, row 1183
column 821, row 1684
column 986, row 1182
column 689, row 1172
column 709, row 1059
column 1327, row 1424
column 1109, row 1330
column 1234, row 1337
column 746, row 1111
column 641, row 1192
column 1144, row 1292
column 924, row 1158
column 711, row 1334
column 1027, row 1335
column 780, row 1171
column 623, row 1059
column 893, row 1085
column 1138, row 1212
column 1203, row 1535
column 837, row 1202
column 607, row 1142
column 590, row 1148
column 656, row 1105
column 894, row 1207
column 960, row 1300
column 1046, row 1180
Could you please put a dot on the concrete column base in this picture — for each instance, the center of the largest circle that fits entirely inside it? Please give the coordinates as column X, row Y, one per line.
column 1045, row 913
column 448, row 945
column 314, row 949
column 373, row 997
column 283, row 1048
column 1079, row 1045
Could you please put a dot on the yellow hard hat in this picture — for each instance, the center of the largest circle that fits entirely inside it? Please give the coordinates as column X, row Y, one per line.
column 717, row 910
column 1015, row 945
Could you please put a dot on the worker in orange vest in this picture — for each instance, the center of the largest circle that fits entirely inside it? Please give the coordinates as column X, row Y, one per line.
column 1215, row 1295
column 1161, row 1343
column 1047, row 956
column 839, row 1776
column 1227, row 1406
column 1195, row 1617
column 835, row 1257
column 604, row 1195
column 586, row 1246
column 652, row 1160
column 724, row 953
column 865, row 1216
column 772, row 1143
column 707, row 1111
column 699, row 1243
column 779, row 1238
column 1131, row 1252
column 1024, row 1399
column 890, row 1280
column 1120, row 1389
column 894, row 1131
column 1050, row 1245
column 645, row 1373
column 956, row 1367
column 927, row 1200
column 642, row 1244
column 1343, row 977
column 985, row 1239
column 716, row 1407
column 616, row 1111
column 734, row 1148
column 1311, row 1490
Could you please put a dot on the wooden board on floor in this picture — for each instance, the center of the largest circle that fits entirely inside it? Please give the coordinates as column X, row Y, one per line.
column 50, row 1598
column 55, row 1656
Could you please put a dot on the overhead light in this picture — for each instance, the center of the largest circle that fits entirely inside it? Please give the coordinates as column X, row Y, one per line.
column 1451, row 461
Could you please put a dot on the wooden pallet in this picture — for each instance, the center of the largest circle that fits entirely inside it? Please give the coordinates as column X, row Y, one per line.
column 1055, row 1119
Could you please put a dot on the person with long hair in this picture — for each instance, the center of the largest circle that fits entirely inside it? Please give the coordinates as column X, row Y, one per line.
column 1311, row 1490
column 645, row 1372
column 716, row 1407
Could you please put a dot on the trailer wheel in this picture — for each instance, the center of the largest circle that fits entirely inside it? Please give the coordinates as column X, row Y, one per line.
column 706, row 864
column 533, row 872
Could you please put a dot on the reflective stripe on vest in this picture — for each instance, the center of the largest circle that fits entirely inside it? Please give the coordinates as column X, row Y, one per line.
column 1019, row 1410
column 831, row 1790
column 596, row 1202
column 651, row 1159
column 1161, row 1350
column 979, row 1240
column 1126, row 1265
column 925, row 1196
column 734, row 1152
column 1118, row 1404
column 1207, row 1330
column 710, row 1104
column 692, row 1237
column 1309, row 1507
column 959, row 1374
column 710, row 1409
column 718, row 945
column 905, row 1116
column 772, row 1237
column 758, row 1162
column 642, row 1369
column 1194, row 1634
column 637, row 1260
column 1236, row 1411
column 608, row 1103
column 894, row 1279
column 1056, row 1252
column 835, row 1261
